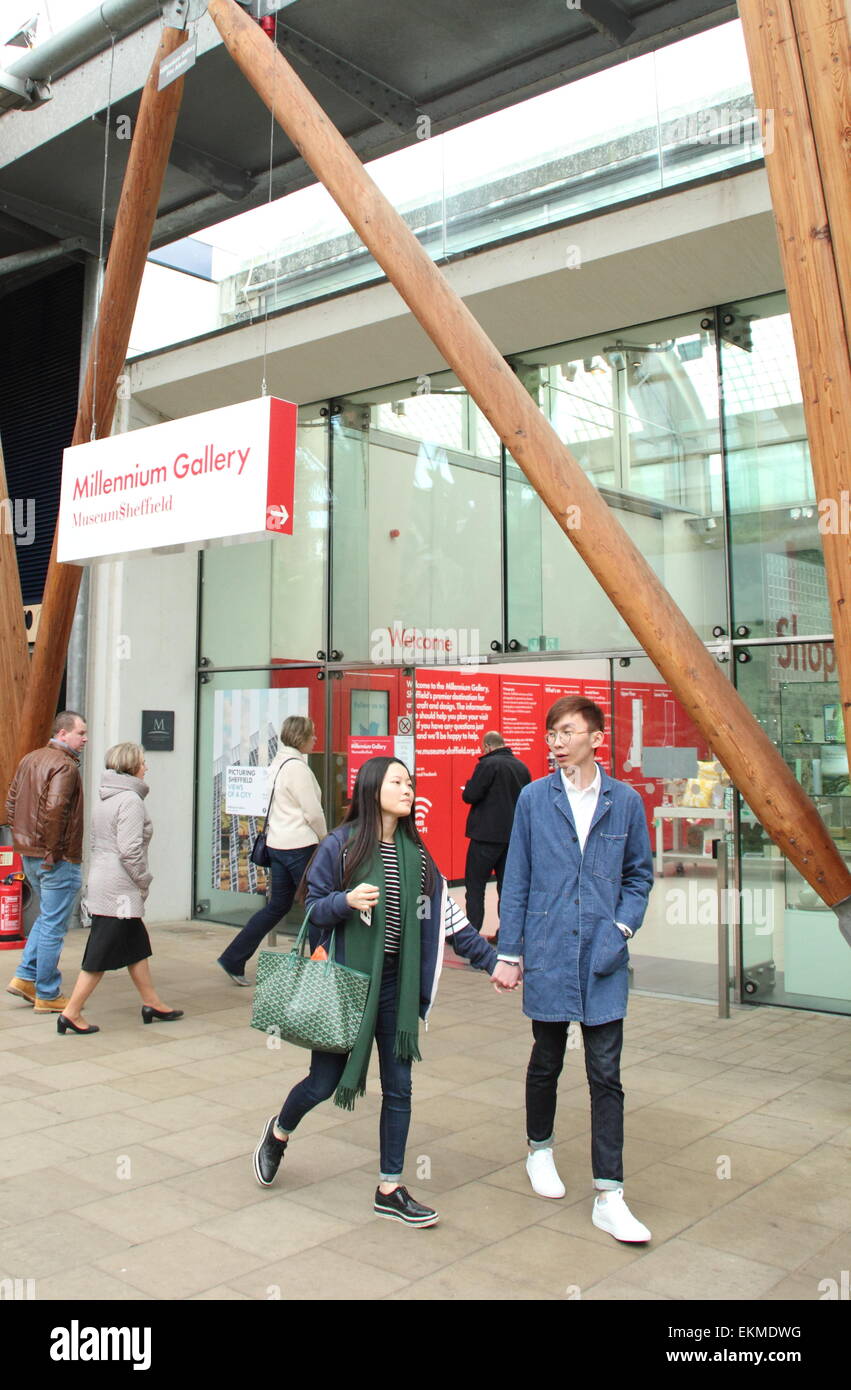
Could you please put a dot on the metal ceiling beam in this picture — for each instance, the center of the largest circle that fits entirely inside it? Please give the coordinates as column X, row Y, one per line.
column 24, row 259
column 60, row 225
column 609, row 18
column 235, row 184
column 384, row 101
column 208, row 169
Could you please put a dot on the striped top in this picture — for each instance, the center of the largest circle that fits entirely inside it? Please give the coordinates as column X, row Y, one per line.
column 392, row 897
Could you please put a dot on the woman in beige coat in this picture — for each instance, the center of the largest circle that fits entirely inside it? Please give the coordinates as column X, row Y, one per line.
column 118, row 885
column 294, row 827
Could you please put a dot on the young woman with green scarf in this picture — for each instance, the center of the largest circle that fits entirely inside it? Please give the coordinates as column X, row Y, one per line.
column 374, row 880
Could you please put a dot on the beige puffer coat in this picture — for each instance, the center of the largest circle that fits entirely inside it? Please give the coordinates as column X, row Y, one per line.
column 121, row 829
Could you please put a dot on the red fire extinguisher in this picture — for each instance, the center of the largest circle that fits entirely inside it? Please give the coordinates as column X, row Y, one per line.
column 13, row 886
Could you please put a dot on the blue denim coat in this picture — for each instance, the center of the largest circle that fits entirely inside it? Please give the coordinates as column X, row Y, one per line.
column 559, row 906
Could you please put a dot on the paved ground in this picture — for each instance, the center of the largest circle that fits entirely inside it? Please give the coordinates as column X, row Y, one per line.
column 126, row 1156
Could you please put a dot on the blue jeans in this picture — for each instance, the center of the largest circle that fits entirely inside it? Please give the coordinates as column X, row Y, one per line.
column 326, row 1068
column 286, row 870
column 57, row 889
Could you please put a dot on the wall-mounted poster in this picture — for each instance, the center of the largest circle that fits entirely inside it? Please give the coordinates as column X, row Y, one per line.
column 246, row 724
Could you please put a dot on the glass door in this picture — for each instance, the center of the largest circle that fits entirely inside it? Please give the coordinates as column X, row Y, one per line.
column 240, row 713
column 368, row 715
column 688, row 801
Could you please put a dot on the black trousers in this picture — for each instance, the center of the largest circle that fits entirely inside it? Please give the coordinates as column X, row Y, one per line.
column 483, row 857
column 603, row 1046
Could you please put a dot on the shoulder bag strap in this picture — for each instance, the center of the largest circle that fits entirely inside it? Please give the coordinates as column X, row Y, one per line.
column 272, row 792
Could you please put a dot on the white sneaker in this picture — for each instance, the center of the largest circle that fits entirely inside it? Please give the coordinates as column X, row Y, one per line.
column 540, row 1165
column 613, row 1215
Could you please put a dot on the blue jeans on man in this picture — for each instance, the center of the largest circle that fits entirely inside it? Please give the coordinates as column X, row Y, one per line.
column 57, row 889
column 326, row 1068
column 285, row 872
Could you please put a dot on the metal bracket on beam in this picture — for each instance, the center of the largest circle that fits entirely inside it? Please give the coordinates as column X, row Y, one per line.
column 26, row 93
column 259, row 9
column 177, row 14
column 609, row 18
column 383, row 101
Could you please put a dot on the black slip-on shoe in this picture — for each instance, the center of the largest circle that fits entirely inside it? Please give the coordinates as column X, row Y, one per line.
column 268, row 1154
column 400, row 1206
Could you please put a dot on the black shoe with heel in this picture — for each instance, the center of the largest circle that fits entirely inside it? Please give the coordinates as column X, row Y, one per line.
column 152, row 1015
column 399, row 1205
column 63, row 1024
column 268, row 1154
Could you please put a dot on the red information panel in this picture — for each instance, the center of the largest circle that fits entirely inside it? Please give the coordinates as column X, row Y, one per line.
column 434, row 796
column 522, row 722
column 649, row 716
column 453, row 710
column 598, row 691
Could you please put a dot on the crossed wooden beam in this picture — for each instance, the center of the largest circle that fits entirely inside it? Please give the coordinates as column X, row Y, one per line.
column 799, row 56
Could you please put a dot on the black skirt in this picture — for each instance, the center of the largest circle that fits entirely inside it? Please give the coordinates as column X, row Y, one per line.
column 115, row 942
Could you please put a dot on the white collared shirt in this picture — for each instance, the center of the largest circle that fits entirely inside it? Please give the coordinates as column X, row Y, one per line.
column 583, row 804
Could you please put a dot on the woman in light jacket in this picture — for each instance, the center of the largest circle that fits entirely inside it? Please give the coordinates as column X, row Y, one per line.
column 294, row 827
column 118, row 885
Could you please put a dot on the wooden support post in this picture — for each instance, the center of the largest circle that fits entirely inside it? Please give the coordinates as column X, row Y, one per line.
column 807, row 165
column 14, row 653
column 824, row 43
column 131, row 239
column 710, row 700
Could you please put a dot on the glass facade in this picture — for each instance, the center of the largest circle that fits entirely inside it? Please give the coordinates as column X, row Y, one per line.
column 427, row 595
column 663, row 120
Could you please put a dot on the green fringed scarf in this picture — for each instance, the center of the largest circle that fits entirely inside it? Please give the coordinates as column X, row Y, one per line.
column 365, row 951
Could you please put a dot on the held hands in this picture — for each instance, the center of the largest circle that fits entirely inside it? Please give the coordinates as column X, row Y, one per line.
column 363, row 897
column 506, row 976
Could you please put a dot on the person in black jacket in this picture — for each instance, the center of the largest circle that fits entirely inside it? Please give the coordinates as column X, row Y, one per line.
column 492, row 793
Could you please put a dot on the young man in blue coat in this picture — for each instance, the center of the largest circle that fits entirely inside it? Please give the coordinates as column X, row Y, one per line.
column 576, row 885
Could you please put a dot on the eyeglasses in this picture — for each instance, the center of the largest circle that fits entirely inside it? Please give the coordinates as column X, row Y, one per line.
column 563, row 735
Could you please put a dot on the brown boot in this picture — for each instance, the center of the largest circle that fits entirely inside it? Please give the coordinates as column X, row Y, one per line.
column 24, row 989
column 50, row 1006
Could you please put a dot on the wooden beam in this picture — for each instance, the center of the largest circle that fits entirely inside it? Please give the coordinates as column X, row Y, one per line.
column 14, row 651
column 809, row 268
column 737, row 739
column 824, row 43
column 131, row 239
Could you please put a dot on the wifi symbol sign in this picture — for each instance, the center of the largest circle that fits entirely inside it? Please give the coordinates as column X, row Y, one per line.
column 422, row 806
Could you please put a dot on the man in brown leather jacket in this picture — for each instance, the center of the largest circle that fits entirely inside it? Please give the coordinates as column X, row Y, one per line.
column 44, row 809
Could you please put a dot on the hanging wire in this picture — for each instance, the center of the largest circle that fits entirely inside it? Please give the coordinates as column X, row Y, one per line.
column 264, row 389
column 99, row 291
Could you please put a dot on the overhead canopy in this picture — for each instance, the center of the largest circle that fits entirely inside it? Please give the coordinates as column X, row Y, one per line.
column 378, row 69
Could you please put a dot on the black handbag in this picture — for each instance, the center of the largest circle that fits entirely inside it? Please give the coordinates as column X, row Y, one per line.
column 259, row 850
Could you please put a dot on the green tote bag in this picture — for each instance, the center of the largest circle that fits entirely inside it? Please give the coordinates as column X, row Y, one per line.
column 312, row 1003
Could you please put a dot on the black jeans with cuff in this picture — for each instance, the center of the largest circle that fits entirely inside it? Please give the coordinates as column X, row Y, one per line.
column 603, row 1046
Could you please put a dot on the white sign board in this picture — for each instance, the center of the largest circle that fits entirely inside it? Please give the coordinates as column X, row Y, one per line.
column 246, row 791
column 226, row 473
column 403, row 749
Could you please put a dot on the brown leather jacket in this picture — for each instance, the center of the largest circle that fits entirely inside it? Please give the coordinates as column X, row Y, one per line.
column 44, row 807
